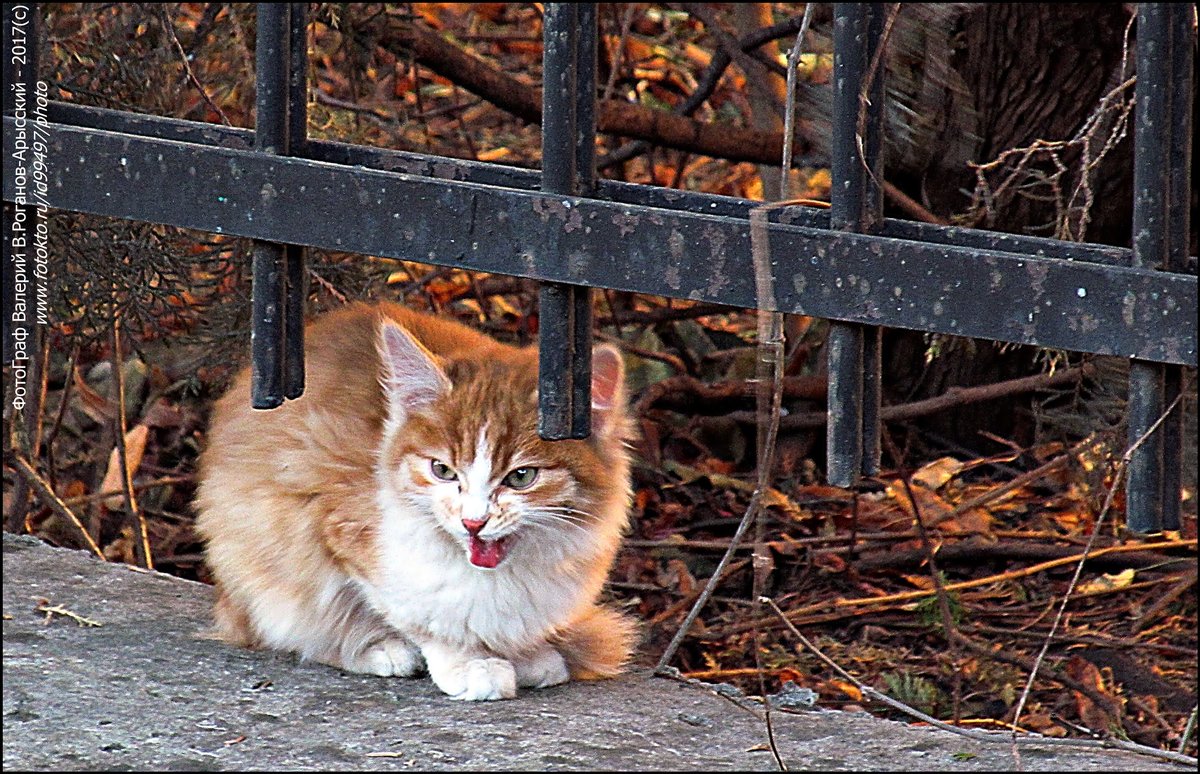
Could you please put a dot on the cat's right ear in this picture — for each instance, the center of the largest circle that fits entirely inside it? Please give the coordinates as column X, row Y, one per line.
column 410, row 375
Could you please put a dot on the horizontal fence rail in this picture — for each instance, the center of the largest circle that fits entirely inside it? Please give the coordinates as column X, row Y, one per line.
column 904, row 282
column 485, row 173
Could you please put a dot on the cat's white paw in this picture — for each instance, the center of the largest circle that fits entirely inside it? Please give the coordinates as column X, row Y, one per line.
column 481, row 679
column 390, row 657
column 541, row 670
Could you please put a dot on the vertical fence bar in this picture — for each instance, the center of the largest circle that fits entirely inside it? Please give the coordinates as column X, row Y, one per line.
column 872, row 219
column 1183, row 95
column 856, row 205
column 297, row 139
column 585, row 184
column 564, row 325
column 1161, row 156
column 270, row 271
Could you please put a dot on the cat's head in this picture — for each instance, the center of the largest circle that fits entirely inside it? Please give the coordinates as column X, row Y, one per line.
column 461, row 447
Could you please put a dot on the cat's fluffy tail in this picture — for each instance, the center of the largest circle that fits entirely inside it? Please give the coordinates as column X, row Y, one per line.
column 599, row 644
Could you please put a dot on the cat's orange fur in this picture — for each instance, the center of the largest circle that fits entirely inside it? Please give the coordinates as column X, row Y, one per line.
column 332, row 532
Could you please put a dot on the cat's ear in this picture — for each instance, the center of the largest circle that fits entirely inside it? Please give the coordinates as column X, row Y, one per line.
column 410, row 375
column 608, row 387
column 608, row 377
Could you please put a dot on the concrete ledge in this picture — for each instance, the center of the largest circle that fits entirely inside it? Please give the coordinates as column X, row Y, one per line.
column 144, row 691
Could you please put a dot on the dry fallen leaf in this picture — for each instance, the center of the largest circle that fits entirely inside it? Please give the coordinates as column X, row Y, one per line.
column 1095, row 717
column 1108, row 582
column 849, row 689
column 935, row 475
column 135, row 447
column 96, row 406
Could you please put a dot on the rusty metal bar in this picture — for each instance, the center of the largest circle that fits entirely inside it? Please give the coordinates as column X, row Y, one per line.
column 568, row 160
column 1183, row 96
column 296, row 286
column 585, row 185
column 268, row 355
column 516, row 178
column 856, row 206
column 1162, row 157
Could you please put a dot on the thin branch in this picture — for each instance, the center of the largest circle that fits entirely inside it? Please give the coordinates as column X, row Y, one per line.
column 187, row 67
column 914, row 596
column 30, row 474
column 980, row 736
column 1122, row 468
column 136, row 516
column 952, row 398
column 164, row 481
column 1185, row 584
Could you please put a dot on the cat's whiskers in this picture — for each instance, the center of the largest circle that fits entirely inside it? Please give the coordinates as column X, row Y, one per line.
column 566, row 509
column 561, row 518
column 547, row 520
column 558, row 515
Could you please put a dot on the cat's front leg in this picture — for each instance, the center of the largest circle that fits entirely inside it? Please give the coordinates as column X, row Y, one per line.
column 390, row 657
column 541, row 669
column 467, row 675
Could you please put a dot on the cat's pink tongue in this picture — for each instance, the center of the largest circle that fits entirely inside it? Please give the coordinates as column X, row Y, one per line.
column 488, row 553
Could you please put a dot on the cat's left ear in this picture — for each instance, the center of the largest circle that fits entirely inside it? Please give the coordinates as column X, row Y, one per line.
column 608, row 387
column 410, row 375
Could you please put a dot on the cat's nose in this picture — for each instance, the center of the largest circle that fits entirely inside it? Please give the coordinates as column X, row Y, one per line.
column 474, row 525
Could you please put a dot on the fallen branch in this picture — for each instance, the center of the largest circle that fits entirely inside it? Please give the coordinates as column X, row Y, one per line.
column 997, row 492
column 952, row 398
column 52, row 500
column 403, row 37
column 983, row 550
column 982, row 736
column 164, row 481
column 914, row 596
column 1186, row 584
column 689, row 395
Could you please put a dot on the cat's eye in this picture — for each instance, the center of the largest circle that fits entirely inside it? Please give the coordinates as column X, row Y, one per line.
column 521, row 478
column 442, row 471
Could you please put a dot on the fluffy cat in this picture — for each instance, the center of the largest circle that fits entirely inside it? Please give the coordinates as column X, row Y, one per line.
column 403, row 514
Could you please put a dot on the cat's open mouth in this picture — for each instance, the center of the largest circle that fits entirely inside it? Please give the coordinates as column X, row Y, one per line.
column 488, row 553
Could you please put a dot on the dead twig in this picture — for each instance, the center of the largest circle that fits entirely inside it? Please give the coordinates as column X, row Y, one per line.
column 1175, row 592
column 135, row 514
column 138, row 487
column 50, row 610
column 187, row 67
column 1122, row 467
column 1025, row 478
column 981, row 736
column 914, row 596
column 952, row 398
column 663, row 357
column 689, row 394
column 29, row 474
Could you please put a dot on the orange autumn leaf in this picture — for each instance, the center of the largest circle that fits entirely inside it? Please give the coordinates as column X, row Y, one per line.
column 135, row 447
column 790, row 675
column 849, row 689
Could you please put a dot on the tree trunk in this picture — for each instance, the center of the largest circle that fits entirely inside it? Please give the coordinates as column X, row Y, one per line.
column 967, row 82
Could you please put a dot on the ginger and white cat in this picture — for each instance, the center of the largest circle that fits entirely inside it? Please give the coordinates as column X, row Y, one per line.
column 403, row 514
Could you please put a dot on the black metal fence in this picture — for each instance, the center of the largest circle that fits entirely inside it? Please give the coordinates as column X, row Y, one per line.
column 573, row 232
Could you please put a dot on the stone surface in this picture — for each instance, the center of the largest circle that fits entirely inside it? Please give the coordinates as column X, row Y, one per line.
column 145, row 690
